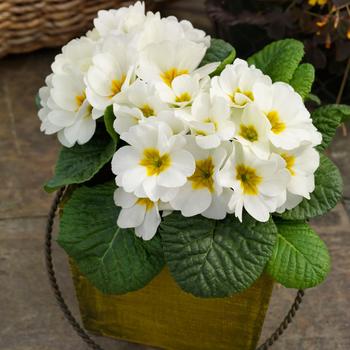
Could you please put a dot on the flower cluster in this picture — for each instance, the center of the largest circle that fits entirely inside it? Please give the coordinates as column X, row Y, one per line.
column 195, row 144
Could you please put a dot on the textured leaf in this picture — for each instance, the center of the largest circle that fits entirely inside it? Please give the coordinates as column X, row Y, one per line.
column 81, row 162
column 327, row 193
column 219, row 51
column 211, row 258
column 300, row 258
column 303, row 79
column 327, row 119
column 109, row 118
column 279, row 59
column 113, row 259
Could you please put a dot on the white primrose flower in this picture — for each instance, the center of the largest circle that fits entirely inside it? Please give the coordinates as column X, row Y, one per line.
column 139, row 213
column 183, row 90
column 252, row 130
column 66, row 110
column 291, row 125
column 155, row 164
column 141, row 102
column 258, row 185
column 157, row 29
column 123, row 20
column 111, row 73
column 162, row 62
column 210, row 121
column 44, row 94
column 236, row 83
column 301, row 163
column 201, row 194
column 77, row 53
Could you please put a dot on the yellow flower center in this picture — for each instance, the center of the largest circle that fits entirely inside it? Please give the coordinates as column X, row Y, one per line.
column 171, row 74
column 277, row 125
column 249, row 179
column 203, row 175
column 145, row 202
column 290, row 161
column 184, row 97
column 154, row 162
column 116, row 85
column 248, row 94
column 80, row 99
column 249, row 132
column 317, row 2
column 147, row 110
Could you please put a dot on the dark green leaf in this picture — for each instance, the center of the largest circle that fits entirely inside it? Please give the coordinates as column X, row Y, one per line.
column 38, row 101
column 303, row 79
column 300, row 258
column 219, row 51
column 113, row 259
column 211, row 258
column 109, row 118
column 327, row 119
column 279, row 59
column 81, row 162
column 327, row 193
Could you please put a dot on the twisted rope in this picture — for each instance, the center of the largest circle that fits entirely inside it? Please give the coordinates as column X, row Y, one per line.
column 78, row 328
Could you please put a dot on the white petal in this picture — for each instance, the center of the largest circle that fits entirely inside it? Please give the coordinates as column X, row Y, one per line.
column 133, row 178
column 131, row 217
column 255, row 207
column 125, row 158
column 124, row 199
column 149, row 227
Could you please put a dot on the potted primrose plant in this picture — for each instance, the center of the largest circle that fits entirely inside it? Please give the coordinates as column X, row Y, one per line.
column 189, row 177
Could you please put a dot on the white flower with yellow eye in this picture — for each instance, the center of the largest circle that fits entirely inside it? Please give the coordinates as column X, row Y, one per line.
column 252, row 130
column 77, row 53
column 139, row 213
column 123, row 20
column 158, row 29
column 141, row 102
column 183, row 90
column 210, row 121
column 163, row 62
column 65, row 108
column 301, row 163
column 291, row 125
column 201, row 194
column 236, row 83
column 154, row 164
column 111, row 73
column 258, row 185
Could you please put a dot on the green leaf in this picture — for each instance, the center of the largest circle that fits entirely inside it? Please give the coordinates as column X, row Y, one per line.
column 313, row 98
column 279, row 59
column 211, row 258
column 327, row 119
column 109, row 118
column 303, row 79
column 300, row 258
column 38, row 101
column 113, row 259
column 219, row 51
column 327, row 193
column 81, row 162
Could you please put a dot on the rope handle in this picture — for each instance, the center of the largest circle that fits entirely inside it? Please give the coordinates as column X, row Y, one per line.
column 79, row 329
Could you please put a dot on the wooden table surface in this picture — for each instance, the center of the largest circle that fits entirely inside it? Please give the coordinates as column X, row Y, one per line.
column 29, row 317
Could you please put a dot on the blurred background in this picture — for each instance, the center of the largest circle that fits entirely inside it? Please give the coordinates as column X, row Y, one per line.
column 31, row 32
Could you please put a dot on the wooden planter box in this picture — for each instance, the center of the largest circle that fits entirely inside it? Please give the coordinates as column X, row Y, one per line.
column 163, row 316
